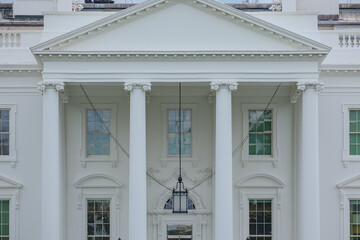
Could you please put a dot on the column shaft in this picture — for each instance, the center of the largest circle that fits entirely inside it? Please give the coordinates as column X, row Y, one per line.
column 137, row 169
column 308, row 166
column 50, row 221
column 223, row 215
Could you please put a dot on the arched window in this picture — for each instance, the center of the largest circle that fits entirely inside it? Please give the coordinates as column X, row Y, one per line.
column 169, row 204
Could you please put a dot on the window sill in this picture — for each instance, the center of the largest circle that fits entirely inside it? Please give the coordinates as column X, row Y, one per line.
column 166, row 160
column 258, row 159
column 9, row 159
column 99, row 159
column 347, row 159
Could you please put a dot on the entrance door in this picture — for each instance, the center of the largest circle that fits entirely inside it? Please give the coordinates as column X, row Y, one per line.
column 177, row 232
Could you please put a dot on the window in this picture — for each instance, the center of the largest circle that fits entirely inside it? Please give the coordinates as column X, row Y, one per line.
column 354, row 219
column 351, row 150
column 96, row 142
column 173, row 132
column 98, row 135
column 4, row 220
column 179, row 232
column 4, row 131
column 98, row 225
column 260, row 219
column 7, row 133
column 170, row 120
column 259, row 133
column 169, row 204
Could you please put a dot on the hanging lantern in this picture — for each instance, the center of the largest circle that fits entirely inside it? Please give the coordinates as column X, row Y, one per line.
column 180, row 198
column 180, row 193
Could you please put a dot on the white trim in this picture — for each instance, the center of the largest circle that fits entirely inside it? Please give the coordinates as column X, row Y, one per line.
column 164, row 158
column 245, row 157
column 11, row 158
column 348, row 191
column 266, row 190
column 102, row 190
column 347, row 158
column 113, row 157
column 10, row 190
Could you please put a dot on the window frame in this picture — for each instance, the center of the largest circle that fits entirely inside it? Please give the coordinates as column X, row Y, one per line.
column 84, row 157
column 164, row 157
column 111, row 213
column 272, row 209
column 347, row 158
column 11, row 158
column 245, row 156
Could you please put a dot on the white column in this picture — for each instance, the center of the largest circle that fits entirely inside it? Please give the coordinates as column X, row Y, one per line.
column 223, row 213
column 51, row 207
column 308, row 165
column 137, row 169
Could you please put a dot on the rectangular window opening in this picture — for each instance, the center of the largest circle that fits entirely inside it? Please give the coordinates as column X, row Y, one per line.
column 98, row 132
column 4, row 132
column 260, row 132
column 260, row 219
column 4, row 220
column 175, row 131
column 98, row 219
column 354, row 219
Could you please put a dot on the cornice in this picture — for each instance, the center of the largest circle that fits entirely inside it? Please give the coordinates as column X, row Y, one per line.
column 180, row 55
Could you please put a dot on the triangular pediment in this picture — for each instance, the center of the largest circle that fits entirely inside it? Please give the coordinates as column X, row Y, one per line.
column 7, row 183
column 180, row 26
column 350, row 183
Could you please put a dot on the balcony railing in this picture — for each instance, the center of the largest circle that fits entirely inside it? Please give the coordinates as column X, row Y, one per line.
column 349, row 39
column 19, row 39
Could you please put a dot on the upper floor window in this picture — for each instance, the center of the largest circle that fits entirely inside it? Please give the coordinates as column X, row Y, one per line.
column 4, row 131
column 260, row 219
column 260, row 136
column 98, row 223
column 97, row 127
column 175, row 130
column 354, row 131
column 98, row 135
column 260, row 132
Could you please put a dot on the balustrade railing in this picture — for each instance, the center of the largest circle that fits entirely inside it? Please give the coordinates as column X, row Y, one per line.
column 10, row 39
column 349, row 39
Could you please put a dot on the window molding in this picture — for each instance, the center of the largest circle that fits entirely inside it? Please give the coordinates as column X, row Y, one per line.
column 245, row 157
column 11, row 158
column 347, row 158
column 349, row 190
column 164, row 158
column 260, row 186
column 98, row 186
column 84, row 158
column 10, row 190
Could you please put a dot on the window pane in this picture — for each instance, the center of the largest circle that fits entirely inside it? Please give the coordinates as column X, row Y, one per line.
column 260, row 219
column 98, row 224
column 174, row 134
column 259, row 123
column 98, row 136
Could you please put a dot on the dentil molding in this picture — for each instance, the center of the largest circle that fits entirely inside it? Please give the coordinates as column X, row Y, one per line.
column 232, row 86
column 129, row 86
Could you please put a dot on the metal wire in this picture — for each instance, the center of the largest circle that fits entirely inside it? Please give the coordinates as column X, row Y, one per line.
column 238, row 148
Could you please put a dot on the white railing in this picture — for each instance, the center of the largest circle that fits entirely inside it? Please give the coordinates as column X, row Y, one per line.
column 10, row 39
column 349, row 39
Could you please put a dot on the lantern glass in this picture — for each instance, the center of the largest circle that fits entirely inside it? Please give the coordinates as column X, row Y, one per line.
column 180, row 201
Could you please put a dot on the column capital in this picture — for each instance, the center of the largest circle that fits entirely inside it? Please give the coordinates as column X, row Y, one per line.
column 129, row 86
column 302, row 86
column 59, row 86
column 215, row 86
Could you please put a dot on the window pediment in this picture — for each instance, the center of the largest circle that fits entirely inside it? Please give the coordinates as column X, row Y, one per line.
column 7, row 183
column 350, row 183
column 260, row 181
column 98, row 181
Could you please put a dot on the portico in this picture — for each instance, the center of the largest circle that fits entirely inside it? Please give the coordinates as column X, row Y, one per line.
column 130, row 68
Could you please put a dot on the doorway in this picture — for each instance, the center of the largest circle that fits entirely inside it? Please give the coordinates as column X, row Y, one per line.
column 179, row 232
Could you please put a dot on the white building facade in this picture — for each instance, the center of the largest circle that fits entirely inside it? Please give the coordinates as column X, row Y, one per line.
column 89, row 117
